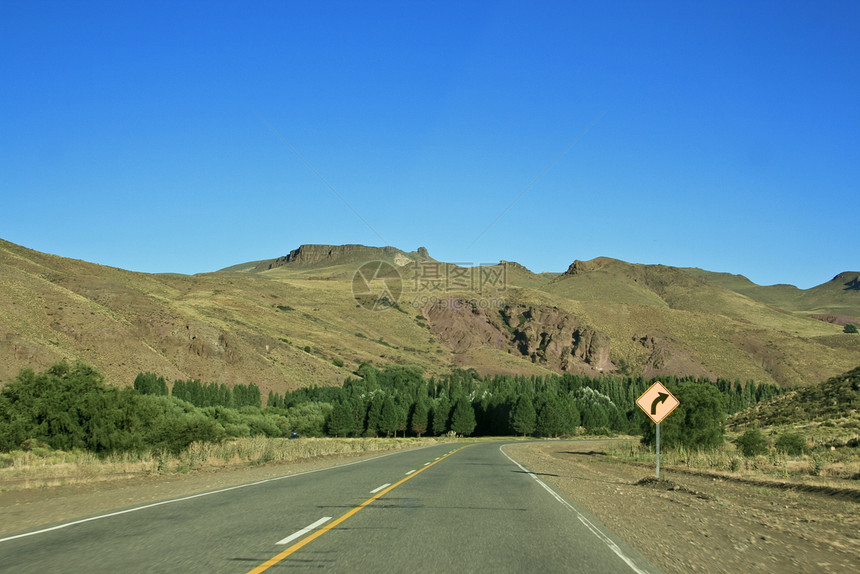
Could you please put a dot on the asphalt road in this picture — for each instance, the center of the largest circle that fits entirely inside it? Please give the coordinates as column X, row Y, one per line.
column 437, row 509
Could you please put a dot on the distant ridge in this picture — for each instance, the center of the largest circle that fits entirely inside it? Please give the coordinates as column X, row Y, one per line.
column 839, row 296
column 310, row 255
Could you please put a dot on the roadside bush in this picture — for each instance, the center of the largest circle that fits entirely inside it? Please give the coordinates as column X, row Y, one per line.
column 263, row 425
column 752, row 443
column 307, row 419
column 697, row 423
column 70, row 407
column 791, row 443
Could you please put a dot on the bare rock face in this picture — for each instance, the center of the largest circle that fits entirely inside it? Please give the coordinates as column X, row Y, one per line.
column 669, row 357
column 462, row 325
column 660, row 353
column 545, row 335
column 592, row 346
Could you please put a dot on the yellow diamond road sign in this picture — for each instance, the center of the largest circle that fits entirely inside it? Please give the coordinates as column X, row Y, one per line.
column 657, row 402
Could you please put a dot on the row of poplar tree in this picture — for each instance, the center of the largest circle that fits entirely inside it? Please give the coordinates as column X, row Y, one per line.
column 400, row 400
column 200, row 394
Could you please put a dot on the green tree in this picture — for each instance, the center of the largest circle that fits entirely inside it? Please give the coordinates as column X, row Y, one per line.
column 359, row 414
column 420, row 416
column 403, row 407
column 150, row 384
column 247, row 396
column 441, row 413
column 340, row 422
column 595, row 418
column 463, row 417
column 850, row 328
column 696, row 423
column 374, row 412
column 388, row 416
column 524, row 416
column 550, row 419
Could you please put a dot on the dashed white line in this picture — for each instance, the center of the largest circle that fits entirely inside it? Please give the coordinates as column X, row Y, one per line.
column 184, row 498
column 304, row 530
column 375, row 490
column 410, row 472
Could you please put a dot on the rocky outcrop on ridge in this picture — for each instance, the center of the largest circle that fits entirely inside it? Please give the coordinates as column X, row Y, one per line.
column 309, row 255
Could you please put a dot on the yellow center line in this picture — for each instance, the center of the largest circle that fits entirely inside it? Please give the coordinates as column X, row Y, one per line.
column 275, row 559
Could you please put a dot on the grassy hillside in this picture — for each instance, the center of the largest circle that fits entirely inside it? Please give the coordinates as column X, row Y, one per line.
column 827, row 412
column 293, row 321
column 839, row 296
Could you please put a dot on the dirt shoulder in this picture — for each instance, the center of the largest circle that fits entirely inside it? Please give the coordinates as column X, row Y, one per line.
column 686, row 522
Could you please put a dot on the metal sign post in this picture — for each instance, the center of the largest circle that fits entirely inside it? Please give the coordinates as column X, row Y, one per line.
column 657, row 402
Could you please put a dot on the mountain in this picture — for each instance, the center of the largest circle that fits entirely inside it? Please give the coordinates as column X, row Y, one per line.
column 838, row 297
column 313, row 315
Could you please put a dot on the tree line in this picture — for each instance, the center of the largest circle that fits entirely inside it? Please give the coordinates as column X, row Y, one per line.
column 401, row 400
column 72, row 407
column 200, row 394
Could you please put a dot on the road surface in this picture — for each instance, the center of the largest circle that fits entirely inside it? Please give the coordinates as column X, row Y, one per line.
column 445, row 508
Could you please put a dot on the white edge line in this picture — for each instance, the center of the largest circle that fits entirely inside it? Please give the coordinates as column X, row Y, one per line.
column 375, row 490
column 588, row 524
column 304, row 530
column 181, row 499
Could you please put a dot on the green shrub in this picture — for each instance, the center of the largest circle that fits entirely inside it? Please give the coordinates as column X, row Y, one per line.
column 697, row 423
column 752, row 443
column 791, row 443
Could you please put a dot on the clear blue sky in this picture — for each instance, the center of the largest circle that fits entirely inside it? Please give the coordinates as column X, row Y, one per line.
column 157, row 137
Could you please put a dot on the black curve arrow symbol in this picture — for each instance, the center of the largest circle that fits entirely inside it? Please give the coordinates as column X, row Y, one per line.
column 661, row 397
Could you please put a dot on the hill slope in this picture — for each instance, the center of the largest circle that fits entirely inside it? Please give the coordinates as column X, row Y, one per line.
column 828, row 411
column 839, row 296
column 294, row 320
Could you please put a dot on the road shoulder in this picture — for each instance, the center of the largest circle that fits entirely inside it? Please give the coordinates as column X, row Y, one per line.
column 687, row 523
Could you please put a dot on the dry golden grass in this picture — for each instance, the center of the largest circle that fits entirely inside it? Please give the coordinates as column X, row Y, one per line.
column 43, row 468
column 836, row 468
